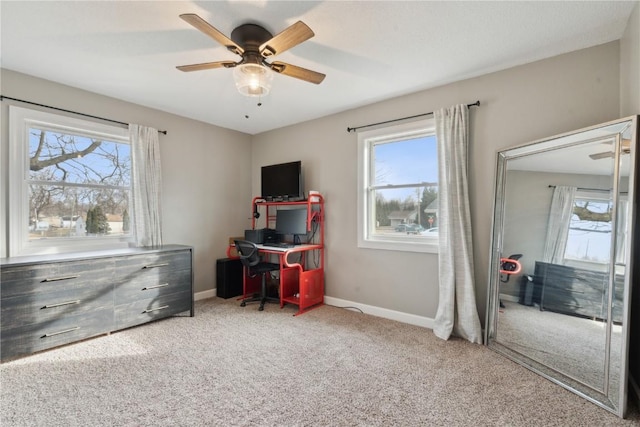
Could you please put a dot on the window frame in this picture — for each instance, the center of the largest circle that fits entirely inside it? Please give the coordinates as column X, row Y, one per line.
column 365, row 214
column 596, row 196
column 20, row 120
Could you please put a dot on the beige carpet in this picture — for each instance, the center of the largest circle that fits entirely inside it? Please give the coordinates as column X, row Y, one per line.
column 571, row 345
column 233, row 366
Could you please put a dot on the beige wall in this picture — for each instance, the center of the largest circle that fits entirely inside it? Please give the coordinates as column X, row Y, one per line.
column 519, row 105
column 630, row 66
column 204, row 198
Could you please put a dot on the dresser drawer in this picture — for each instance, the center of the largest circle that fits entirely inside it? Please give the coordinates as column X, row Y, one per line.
column 152, row 284
column 35, row 337
column 129, row 267
column 587, row 307
column 579, row 286
column 47, row 306
column 32, row 279
column 142, row 311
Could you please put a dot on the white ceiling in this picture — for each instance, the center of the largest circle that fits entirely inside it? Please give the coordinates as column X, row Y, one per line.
column 370, row 51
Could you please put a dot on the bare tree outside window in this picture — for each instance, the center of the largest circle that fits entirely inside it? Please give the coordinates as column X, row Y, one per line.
column 589, row 237
column 73, row 175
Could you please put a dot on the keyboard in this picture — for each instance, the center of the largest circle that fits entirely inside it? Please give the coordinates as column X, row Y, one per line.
column 279, row 245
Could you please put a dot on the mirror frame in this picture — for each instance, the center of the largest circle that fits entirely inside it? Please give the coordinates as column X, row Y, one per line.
column 569, row 139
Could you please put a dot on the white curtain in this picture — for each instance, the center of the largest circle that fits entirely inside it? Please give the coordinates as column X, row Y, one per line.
column 146, row 183
column 457, row 312
column 560, row 214
column 621, row 227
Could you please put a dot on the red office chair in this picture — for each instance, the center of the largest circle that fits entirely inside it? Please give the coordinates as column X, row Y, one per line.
column 509, row 266
column 254, row 265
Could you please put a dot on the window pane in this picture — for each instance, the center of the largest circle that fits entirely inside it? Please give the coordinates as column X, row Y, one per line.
column 411, row 210
column 590, row 231
column 409, row 161
column 61, row 212
column 61, row 157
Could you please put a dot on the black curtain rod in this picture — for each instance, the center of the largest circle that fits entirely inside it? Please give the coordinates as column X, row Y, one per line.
column 604, row 190
column 2, row 97
column 475, row 104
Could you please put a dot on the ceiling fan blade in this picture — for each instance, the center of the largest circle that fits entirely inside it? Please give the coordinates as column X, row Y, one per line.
column 208, row 29
column 604, row 155
column 207, row 66
column 297, row 72
column 288, row 38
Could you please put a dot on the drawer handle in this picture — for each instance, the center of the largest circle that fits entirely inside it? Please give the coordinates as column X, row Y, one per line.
column 55, row 279
column 162, row 285
column 60, row 304
column 164, row 264
column 149, row 310
column 60, row 332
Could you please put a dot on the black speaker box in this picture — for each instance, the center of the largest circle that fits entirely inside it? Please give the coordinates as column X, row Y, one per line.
column 228, row 278
column 255, row 236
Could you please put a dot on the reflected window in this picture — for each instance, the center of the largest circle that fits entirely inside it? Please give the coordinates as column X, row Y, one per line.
column 589, row 237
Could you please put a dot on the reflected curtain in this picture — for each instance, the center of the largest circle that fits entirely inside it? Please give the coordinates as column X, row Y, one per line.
column 146, row 185
column 621, row 231
column 560, row 214
column 457, row 312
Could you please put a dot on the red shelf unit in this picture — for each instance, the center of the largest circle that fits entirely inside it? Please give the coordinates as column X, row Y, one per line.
column 301, row 280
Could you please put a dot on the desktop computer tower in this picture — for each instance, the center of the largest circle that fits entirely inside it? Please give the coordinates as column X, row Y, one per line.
column 260, row 236
column 228, row 278
column 255, row 236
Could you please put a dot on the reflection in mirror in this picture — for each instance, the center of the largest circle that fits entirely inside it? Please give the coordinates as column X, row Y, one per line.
column 559, row 255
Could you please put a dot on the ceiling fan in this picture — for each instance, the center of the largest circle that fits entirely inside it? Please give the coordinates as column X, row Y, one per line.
column 625, row 148
column 255, row 44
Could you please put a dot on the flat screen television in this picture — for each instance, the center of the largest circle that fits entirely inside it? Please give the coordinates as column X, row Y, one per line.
column 282, row 182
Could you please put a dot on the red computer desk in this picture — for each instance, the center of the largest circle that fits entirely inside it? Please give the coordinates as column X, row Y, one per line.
column 300, row 282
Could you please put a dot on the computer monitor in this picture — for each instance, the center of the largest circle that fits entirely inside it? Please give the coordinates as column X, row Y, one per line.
column 292, row 221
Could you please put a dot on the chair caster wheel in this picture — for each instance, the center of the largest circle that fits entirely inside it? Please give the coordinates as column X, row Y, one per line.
column 243, row 304
column 260, row 308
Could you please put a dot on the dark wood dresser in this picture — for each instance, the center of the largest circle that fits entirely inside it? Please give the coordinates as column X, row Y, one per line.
column 47, row 301
column 578, row 291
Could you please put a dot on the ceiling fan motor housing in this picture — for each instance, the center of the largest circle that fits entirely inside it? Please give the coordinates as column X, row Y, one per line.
column 250, row 37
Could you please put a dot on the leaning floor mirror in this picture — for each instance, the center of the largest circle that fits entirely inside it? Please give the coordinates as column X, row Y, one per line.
column 561, row 262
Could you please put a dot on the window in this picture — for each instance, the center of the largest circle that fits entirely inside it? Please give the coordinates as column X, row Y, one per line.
column 398, row 188
column 70, row 184
column 589, row 238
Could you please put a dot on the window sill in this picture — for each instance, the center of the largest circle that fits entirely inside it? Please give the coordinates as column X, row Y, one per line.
column 45, row 246
column 430, row 246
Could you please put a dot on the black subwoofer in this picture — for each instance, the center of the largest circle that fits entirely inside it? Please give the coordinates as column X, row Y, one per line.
column 228, row 278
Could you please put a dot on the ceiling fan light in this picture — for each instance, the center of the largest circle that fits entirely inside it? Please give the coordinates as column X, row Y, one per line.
column 253, row 79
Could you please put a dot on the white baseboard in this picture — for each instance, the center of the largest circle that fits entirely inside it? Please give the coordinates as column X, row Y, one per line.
column 385, row 313
column 509, row 298
column 412, row 319
column 205, row 294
